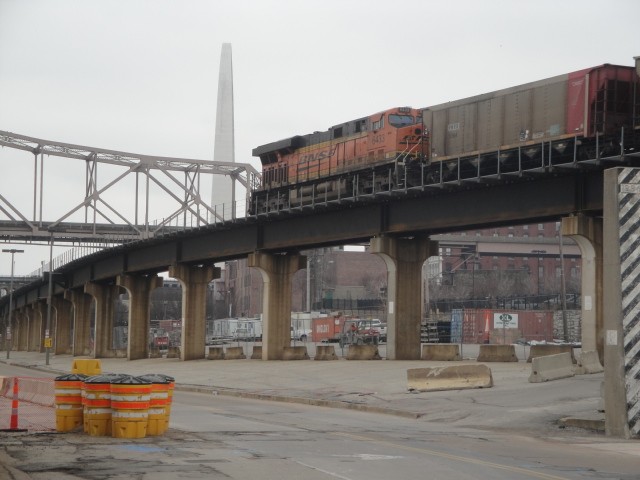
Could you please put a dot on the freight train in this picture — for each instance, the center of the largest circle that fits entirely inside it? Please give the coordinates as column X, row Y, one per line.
column 556, row 121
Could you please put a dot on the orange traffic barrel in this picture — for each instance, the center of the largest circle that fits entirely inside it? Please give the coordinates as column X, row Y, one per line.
column 172, row 385
column 130, row 397
column 157, row 421
column 97, row 404
column 68, row 401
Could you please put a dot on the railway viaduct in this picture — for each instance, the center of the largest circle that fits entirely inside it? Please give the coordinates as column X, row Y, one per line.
column 397, row 225
column 597, row 201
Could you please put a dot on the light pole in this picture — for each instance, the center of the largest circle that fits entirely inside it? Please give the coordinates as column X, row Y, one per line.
column 12, row 251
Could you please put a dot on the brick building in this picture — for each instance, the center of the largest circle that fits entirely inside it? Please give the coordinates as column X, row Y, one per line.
column 478, row 266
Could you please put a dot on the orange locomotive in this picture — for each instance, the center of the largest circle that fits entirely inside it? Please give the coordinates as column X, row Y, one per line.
column 380, row 143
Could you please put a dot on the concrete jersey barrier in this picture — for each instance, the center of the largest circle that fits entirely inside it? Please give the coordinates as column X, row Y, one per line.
column 441, row 352
column 363, row 352
column 234, row 353
column 295, row 353
column 216, row 353
column 589, row 363
column 549, row 349
column 551, row 367
column 256, row 353
column 456, row 377
column 326, row 352
column 497, row 353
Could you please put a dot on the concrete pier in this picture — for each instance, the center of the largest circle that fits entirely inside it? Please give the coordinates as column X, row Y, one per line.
column 404, row 258
column 277, row 271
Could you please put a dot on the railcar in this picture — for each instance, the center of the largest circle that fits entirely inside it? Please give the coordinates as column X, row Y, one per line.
column 552, row 119
column 319, row 164
column 580, row 116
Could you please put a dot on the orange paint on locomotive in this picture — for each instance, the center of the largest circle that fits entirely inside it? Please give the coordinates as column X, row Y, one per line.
column 384, row 137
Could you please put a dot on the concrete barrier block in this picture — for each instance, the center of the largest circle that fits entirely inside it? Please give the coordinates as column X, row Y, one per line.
column 551, row 367
column 589, row 363
column 326, row 352
column 295, row 353
column 256, row 353
column 216, row 353
column 234, row 353
column 497, row 353
column 363, row 352
column 441, row 351
column 456, row 377
column 154, row 352
column 173, row 352
column 547, row 349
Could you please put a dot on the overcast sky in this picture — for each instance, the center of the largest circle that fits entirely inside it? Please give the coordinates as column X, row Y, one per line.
column 141, row 75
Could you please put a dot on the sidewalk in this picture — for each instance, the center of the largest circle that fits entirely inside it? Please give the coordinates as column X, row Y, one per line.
column 511, row 404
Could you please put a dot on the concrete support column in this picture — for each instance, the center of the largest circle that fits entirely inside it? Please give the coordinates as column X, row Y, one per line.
column 35, row 324
column 62, row 331
column 404, row 259
column 587, row 233
column 14, row 323
column 104, row 296
column 277, row 271
column 194, row 281
column 26, row 328
column 81, row 321
column 41, row 306
column 19, row 331
column 621, row 256
column 139, row 288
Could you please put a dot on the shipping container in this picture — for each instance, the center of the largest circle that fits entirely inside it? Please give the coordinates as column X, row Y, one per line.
column 506, row 326
column 327, row 329
column 579, row 103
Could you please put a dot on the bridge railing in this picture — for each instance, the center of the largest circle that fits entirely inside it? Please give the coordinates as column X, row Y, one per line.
column 179, row 222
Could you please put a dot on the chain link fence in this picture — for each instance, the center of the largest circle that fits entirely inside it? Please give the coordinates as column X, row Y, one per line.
column 27, row 403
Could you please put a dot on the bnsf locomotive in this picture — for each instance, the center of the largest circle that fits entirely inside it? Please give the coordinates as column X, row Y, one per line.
column 537, row 125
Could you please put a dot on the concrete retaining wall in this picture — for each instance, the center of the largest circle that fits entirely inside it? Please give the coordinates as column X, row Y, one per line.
column 497, row 353
column 363, row 352
column 441, row 352
column 589, row 363
column 295, row 353
column 326, row 352
column 546, row 349
column 551, row 367
column 234, row 353
column 457, row 377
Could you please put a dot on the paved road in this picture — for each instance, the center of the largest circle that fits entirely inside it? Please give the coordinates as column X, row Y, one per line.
column 215, row 435
column 378, row 386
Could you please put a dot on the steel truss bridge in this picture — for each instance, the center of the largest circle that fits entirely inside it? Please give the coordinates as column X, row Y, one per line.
column 95, row 216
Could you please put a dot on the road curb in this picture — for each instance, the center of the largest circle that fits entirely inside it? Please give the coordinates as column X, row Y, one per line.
column 302, row 400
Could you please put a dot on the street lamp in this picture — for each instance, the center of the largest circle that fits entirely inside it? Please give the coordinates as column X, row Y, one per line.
column 12, row 251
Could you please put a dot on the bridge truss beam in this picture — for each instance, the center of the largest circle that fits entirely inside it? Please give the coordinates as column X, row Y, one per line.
column 95, row 216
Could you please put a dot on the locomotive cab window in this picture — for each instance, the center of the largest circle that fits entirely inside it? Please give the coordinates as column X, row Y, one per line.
column 401, row 120
column 377, row 125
